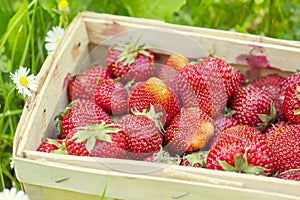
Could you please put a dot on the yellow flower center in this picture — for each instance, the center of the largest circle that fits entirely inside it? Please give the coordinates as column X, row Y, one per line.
column 24, row 81
column 57, row 40
column 63, row 4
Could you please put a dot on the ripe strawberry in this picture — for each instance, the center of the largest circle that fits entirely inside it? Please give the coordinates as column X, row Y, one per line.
column 288, row 81
column 285, row 143
column 142, row 135
column 243, row 149
column 269, row 131
column 293, row 174
column 188, row 132
column 80, row 113
column 231, row 77
column 53, row 146
column 102, row 140
column 201, row 85
column 130, row 62
column 271, row 83
column 169, row 70
column 82, row 85
column 196, row 159
column 111, row 96
column 155, row 92
column 253, row 106
column 220, row 123
column 291, row 103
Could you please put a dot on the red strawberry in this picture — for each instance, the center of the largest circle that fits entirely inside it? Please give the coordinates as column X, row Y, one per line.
column 188, row 132
column 80, row 113
column 201, row 85
column 82, row 86
column 142, row 135
column 288, row 81
column 231, row 77
column 291, row 103
column 111, row 96
column 293, row 174
column 169, row 70
column 154, row 92
column 102, row 140
column 220, row 123
column 130, row 62
column 253, row 106
column 53, row 146
column 196, row 159
column 243, row 149
column 271, row 83
column 285, row 143
column 274, row 127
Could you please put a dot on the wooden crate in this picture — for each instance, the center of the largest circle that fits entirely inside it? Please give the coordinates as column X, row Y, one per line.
column 47, row 176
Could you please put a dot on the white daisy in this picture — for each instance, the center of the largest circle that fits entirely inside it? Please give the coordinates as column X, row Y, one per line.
column 53, row 38
column 23, row 81
column 13, row 194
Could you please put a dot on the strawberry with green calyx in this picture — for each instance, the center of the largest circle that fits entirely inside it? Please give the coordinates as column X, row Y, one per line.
column 130, row 62
column 242, row 149
column 292, row 174
column 81, row 86
column 202, row 85
column 154, row 92
column 169, row 70
column 80, row 113
column 141, row 133
column 188, row 132
column 195, row 159
column 253, row 106
column 291, row 103
column 102, row 140
column 57, row 146
column 285, row 143
column 111, row 96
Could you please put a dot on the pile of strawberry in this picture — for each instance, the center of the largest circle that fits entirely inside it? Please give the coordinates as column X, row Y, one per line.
column 199, row 114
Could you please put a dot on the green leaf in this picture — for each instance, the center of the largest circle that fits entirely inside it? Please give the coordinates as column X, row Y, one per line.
column 297, row 112
column 49, row 5
column 226, row 166
column 154, row 9
column 90, row 144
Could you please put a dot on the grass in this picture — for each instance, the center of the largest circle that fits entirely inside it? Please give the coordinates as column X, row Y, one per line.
column 24, row 24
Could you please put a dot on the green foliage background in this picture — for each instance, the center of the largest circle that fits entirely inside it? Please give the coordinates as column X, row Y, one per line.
column 24, row 24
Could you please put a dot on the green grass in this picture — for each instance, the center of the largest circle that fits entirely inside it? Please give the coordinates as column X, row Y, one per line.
column 24, row 25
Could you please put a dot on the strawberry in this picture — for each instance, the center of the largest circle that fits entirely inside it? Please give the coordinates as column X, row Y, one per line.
column 220, row 123
column 271, row 83
column 130, row 62
column 253, row 106
column 195, row 159
column 111, row 96
column 101, row 140
column 293, row 174
column 142, row 135
column 155, row 92
column 291, row 103
column 288, row 81
column 169, row 70
column 161, row 156
column 243, row 149
column 82, row 85
column 188, row 132
column 80, row 113
column 285, row 144
column 269, row 131
column 231, row 77
column 53, row 146
column 201, row 85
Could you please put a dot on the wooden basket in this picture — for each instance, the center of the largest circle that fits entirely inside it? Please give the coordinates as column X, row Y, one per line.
column 48, row 176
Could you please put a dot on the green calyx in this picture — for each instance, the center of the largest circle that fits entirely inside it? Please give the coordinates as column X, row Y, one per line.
column 163, row 156
column 241, row 165
column 92, row 133
column 267, row 120
column 61, row 148
column 151, row 114
column 297, row 112
column 130, row 51
column 196, row 157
